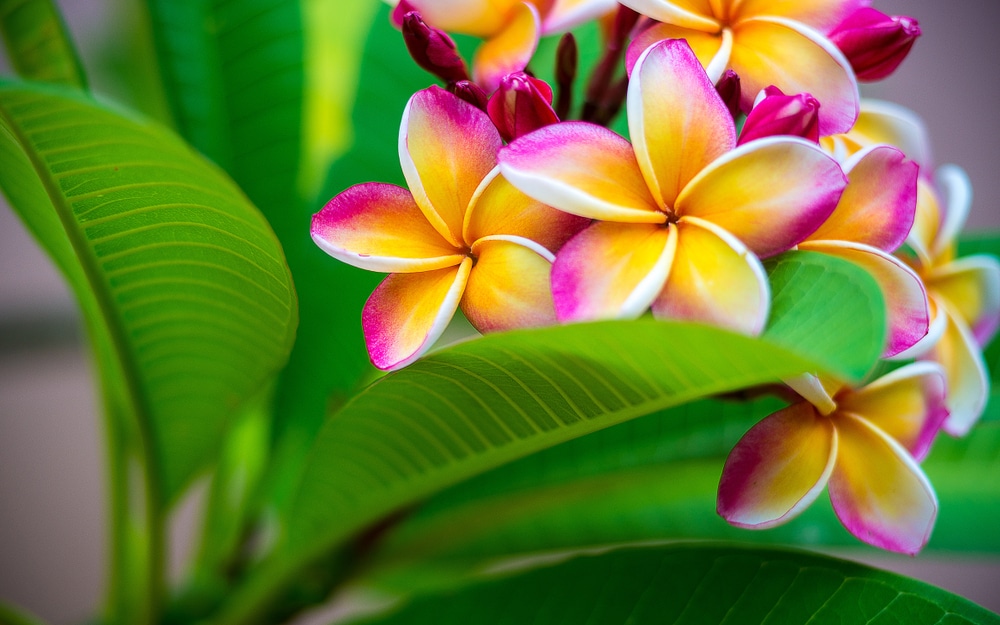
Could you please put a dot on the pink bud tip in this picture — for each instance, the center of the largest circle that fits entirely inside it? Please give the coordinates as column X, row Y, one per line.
column 729, row 90
column 521, row 104
column 470, row 92
column 874, row 42
column 780, row 114
column 433, row 49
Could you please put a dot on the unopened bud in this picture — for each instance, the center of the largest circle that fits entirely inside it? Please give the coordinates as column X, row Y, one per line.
column 729, row 90
column 470, row 92
column 778, row 114
column 521, row 104
column 433, row 49
column 875, row 43
column 399, row 11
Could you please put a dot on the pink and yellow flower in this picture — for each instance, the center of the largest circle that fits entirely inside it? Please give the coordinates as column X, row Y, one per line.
column 872, row 219
column 683, row 212
column 510, row 28
column 864, row 444
column 462, row 236
column 964, row 295
column 766, row 42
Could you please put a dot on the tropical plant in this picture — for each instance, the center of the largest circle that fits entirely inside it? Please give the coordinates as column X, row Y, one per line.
column 552, row 473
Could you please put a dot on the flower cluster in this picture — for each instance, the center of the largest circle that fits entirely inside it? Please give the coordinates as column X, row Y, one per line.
column 748, row 139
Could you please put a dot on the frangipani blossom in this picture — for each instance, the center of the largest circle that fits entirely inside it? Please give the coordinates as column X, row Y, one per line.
column 682, row 211
column 766, row 42
column 510, row 28
column 461, row 237
column 872, row 219
column 884, row 123
column 964, row 295
column 864, row 444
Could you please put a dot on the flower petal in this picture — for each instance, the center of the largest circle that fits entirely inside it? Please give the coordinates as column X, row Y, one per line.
column 770, row 193
column 820, row 14
column 796, row 59
column 880, row 201
column 566, row 14
column 612, row 270
column 778, row 468
column 582, row 169
column 971, row 285
column 962, row 360
column 408, row 312
column 510, row 49
column 878, row 491
column 446, row 147
column 705, row 45
column 480, row 18
column 905, row 297
column 907, row 404
column 889, row 123
column 677, row 121
column 954, row 183
column 695, row 14
column 510, row 285
column 499, row 208
column 714, row 279
column 378, row 227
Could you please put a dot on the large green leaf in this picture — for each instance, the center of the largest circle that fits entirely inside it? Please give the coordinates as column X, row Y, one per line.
column 38, row 43
column 652, row 478
column 697, row 583
column 481, row 404
column 183, row 284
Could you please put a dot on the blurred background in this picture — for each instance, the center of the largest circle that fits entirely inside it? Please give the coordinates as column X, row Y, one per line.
column 51, row 475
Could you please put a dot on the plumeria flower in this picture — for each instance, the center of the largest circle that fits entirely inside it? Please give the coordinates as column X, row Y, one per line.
column 510, row 28
column 864, row 444
column 964, row 295
column 872, row 219
column 766, row 42
column 462, row 236
column 884, row 123
column 682, row 212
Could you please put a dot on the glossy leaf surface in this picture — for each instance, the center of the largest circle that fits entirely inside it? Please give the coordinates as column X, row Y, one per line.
column 182, row 282
column 691, row 583
column 481, row 404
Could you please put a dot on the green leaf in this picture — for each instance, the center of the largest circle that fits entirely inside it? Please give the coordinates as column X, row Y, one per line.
column 38, row 44
column 480, row 404
column 695, row 583
column 652, row 478
column 182, row 283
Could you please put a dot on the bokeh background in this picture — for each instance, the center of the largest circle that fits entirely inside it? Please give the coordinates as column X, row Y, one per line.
column 51, row 493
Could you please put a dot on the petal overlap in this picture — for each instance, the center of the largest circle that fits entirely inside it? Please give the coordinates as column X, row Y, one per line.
column 446, row 147
column 677, row 121
column 408, row 312
column 509, row 285
column 612, row 270
column 714, row 279
column 897, row 510
column 770, row 193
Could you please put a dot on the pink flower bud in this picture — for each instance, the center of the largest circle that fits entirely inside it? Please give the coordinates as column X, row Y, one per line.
column 874, row 42
column 470, row 92
column 730, row 91
column 399, row 11
column 433, row 49
column 778, row 114
column 521, row 104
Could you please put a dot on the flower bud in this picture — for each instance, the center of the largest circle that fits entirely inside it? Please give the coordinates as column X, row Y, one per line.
column 521, row 104
column 778, row 114
column 470, row 92
column 874, row 42
column 399, row 11
column 729, row 90
column 433, row 49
